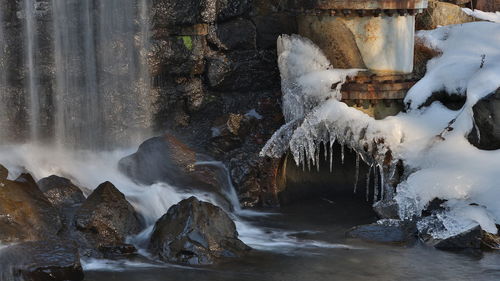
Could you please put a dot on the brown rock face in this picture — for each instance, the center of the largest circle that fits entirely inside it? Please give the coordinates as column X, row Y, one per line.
column 195, row 232
column 60, row 191
column 440, row 13
column 106, row 217
column 25, row 212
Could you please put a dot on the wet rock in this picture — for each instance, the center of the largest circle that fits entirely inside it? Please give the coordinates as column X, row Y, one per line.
column 55, row 260
column 25, row 213
column 243, row 71
column 440, row 13
column 168, row 159
column 386, row 231
column 106, row 217
column 486, row 134
column 195, row 232
column 238, row 34
column 160, row 159
column 386, row 209
column 61, row 191
column 4, row 173
column 470, row 239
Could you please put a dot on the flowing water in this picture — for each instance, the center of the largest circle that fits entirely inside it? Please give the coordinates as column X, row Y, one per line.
column 85, row 89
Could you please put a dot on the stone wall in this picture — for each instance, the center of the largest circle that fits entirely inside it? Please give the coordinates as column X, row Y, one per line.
column 214, row 67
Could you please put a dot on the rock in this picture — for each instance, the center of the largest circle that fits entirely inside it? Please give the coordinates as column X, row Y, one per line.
column 106, row 217
column 488, row 5
column 4, row 173
column 197, row 233
column 61, row 191
column 25, row 213
column 238, row 34
column 487, row 119
column 227, row 9
column 167, row 159
column 177, row 55
column 386, row 231
column 440, row 13
column 53, row 260
column 166, row 13
column 243, row 71
column 160, row 159
column 470, row 239
column 386, row 209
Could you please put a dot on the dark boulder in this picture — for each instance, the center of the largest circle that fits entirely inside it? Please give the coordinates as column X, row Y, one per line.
column 386, row 209
column 52, row 260
column 168, row 159
column 106, row 217
column 4, row 173
column 469, row 239
column 160, row 159
column 486, row 134
column 386, row 231
column 238, row 34
column 61, row 191
column 195, row 232
column 25, row 213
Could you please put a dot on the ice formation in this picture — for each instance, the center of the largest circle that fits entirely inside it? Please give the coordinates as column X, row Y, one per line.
column 430, row 140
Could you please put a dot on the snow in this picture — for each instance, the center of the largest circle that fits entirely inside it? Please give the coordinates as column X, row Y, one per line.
column 493, row 17
column 439, row 162
column 469, row 64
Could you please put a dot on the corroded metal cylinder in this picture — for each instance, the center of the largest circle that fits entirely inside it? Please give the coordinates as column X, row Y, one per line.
column 376, row 35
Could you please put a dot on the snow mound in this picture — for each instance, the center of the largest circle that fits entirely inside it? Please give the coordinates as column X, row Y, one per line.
column 439, row 162
column 493, row 17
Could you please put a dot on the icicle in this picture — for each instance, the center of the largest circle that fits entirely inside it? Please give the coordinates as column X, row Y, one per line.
column 368, row 183
column 331, row 155
column 375, row 184
column 356, row 173
column 382, row 184
column 342, row 153
column 318, row 150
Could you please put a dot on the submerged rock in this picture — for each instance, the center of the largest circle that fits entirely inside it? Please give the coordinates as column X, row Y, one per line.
column 61, row 191
column 106, row 217
column 54, row 260
column 195, row 232
column 25, row 213
column 386, row 231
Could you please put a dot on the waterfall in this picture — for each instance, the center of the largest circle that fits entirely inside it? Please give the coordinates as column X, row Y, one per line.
column 32, row 75
column 84, row 80
column 102, row 91
column 3, row 79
